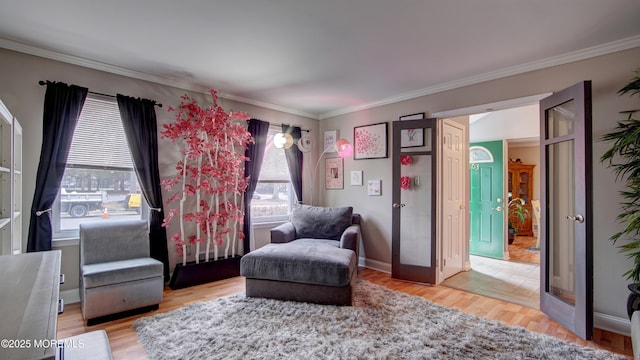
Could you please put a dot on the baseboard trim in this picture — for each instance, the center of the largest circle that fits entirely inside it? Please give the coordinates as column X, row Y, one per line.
column 70, row 296
column 375, row 265
column 612, row 323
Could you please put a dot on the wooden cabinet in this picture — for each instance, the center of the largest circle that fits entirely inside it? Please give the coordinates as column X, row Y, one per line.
column 520, row 185
column 10, row 183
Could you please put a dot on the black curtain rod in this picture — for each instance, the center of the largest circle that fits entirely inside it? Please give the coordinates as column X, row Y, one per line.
column 42, row 83
column 280, row 125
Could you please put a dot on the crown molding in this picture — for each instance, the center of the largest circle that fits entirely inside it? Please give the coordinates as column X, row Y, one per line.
column 603, row 49
column 97, row 65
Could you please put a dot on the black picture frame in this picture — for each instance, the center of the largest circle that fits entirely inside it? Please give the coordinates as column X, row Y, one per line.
column 371, row 141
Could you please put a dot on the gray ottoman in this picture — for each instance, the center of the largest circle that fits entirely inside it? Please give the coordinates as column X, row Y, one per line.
column 301, row 271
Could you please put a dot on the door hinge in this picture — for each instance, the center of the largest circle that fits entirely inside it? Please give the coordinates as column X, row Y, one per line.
column 444, row 262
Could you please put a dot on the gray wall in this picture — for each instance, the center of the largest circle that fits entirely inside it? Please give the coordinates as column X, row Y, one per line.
column 23, row 96
column 608, row 74
column 20, row 92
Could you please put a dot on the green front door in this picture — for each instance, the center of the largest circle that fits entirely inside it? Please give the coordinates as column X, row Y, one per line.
column 486, row 206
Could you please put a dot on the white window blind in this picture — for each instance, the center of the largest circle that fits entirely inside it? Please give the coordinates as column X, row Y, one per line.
column 99, row 140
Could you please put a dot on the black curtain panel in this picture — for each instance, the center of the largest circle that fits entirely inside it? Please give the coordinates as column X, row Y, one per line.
column 140, row 126
column 62, row 106
column 255, row 153
column 294, row 159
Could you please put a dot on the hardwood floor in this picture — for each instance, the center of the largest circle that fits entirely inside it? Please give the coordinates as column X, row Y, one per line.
column 125, row 344
column 519, row 250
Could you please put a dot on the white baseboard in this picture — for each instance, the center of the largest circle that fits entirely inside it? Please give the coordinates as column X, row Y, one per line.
column 611, row 323
column 70, row 296
column 375, row 265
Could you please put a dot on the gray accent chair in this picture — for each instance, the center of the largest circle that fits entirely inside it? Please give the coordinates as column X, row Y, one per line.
column 116, row 272
column 311, row 258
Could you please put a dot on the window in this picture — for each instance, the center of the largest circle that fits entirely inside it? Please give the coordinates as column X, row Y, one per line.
column 99, row 183
column 274, row 193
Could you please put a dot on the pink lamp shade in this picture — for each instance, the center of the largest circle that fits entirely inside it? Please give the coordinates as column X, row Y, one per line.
column 344, row 148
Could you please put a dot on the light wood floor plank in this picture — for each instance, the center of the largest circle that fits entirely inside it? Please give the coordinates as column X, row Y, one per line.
column 125, row 344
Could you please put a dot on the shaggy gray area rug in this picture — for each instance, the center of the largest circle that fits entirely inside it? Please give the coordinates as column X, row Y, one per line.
column 383, row 324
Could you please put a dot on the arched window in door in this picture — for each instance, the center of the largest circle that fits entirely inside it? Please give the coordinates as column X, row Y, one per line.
column 480, row 154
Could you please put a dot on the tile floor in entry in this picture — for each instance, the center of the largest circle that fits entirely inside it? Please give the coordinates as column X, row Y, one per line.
column 515, row 280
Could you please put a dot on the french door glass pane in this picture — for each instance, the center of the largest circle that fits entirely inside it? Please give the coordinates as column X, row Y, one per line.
column 415, row 221
column 560, row 120
column 561, row 200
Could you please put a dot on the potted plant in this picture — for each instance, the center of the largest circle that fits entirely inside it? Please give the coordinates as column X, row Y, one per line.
column 516, row 206
column 624, row 157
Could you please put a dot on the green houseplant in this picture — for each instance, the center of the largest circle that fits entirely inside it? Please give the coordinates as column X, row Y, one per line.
column 624, row 158
column 515, row 206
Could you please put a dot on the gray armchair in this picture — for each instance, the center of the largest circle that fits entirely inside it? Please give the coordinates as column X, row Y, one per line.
column 339, row 227
column 116, row 272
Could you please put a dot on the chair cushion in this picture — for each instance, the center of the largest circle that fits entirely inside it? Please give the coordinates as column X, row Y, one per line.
column 334, row 243
column 308, row 263
column 320, row 222
column 115, row 272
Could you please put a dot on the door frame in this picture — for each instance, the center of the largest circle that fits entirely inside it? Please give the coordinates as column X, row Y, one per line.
column 477, row 109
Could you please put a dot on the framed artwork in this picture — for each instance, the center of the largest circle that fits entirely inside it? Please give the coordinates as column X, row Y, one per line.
column 370, row 141
column 412, row 137
column 373, row 187
column 418, row 116
column 334, row 173
column 356, row 178
column 330, row 138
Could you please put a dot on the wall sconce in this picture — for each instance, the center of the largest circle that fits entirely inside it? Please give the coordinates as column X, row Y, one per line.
column 283, row 140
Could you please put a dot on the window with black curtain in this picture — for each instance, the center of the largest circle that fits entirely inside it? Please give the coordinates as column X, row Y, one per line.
column 99, row 182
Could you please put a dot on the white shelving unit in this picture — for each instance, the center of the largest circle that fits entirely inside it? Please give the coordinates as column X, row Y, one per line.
column 11, row 183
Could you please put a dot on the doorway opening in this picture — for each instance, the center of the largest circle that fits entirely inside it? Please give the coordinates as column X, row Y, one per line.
column 509, row 175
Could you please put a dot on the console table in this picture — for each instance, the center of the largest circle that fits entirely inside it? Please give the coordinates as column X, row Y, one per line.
column 30, row 286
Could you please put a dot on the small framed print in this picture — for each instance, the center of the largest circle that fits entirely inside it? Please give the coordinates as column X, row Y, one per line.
column 330, row 138
column 334, row 173
column 373, row 187
column 356, row 178
column 412, row 137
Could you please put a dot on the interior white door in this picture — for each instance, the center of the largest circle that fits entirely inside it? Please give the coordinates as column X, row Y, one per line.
column 453, row 183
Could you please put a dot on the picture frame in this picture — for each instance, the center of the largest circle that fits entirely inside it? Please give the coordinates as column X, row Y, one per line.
column 334, row 173
column 374, row 188
column 370, row 141
column 330, row 138
column 416, row 116
column 356, row 178
column 412, row 137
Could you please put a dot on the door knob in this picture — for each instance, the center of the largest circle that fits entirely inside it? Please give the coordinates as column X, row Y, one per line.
column 499, row 200
column 397, row 206
column 578, row 218
column 497, row 208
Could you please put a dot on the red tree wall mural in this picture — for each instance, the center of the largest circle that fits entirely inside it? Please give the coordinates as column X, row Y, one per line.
column 211, row 171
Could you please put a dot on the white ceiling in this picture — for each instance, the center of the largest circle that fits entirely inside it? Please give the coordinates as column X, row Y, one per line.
column 324, row 57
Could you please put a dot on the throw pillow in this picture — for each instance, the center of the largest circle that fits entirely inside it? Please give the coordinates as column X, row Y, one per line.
column 320, row 222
